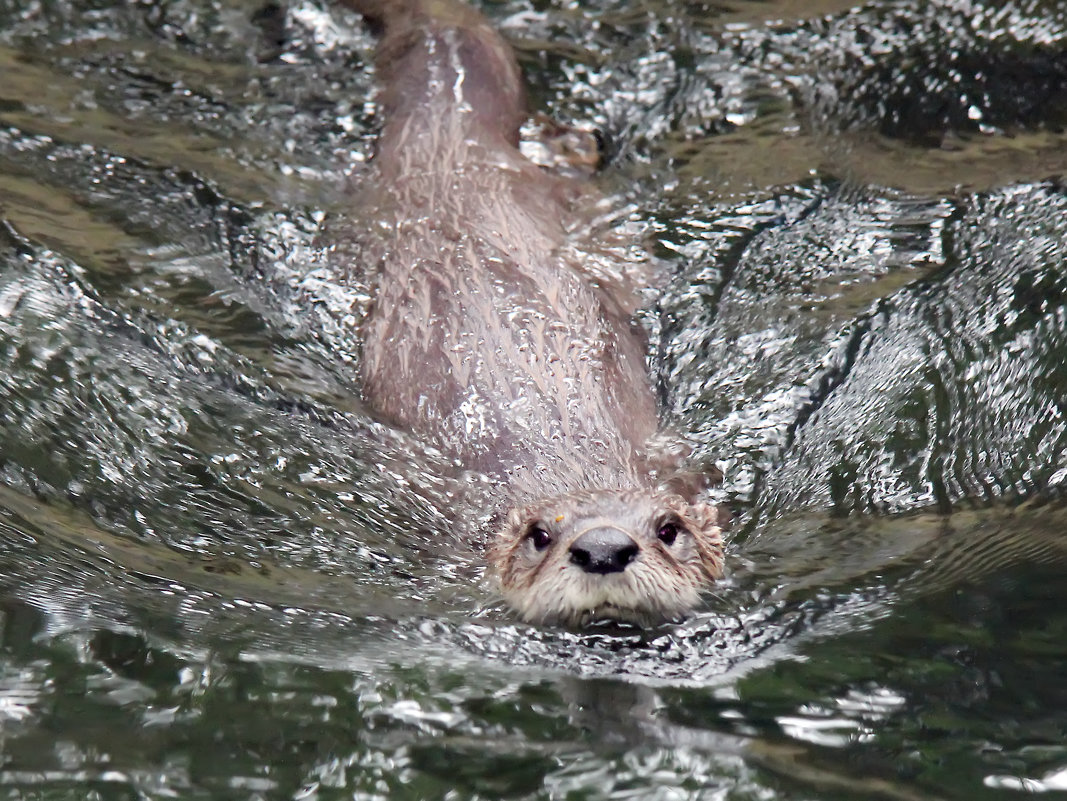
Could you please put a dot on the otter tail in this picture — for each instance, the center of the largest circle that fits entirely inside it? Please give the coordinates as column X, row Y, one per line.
column 437, row 58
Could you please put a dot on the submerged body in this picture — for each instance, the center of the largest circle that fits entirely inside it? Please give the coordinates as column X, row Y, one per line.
column 492, row 338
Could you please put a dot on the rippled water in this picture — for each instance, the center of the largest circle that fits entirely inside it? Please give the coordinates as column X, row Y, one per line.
column 220, row 579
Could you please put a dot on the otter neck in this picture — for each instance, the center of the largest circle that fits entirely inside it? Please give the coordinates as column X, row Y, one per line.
column 576, row 466
column 447, row 74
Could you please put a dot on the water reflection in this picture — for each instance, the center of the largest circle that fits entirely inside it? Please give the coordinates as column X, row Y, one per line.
column 219, row 577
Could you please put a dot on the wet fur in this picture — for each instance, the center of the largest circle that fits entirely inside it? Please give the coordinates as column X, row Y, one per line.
column 664, row 583
column 492, row 334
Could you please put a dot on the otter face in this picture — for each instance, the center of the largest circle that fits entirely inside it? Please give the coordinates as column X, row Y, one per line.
column 637, row 556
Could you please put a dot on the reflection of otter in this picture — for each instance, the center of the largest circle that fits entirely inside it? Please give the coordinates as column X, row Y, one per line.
column 494, row 339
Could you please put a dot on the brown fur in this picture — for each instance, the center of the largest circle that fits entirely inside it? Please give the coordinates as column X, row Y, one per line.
column 492, row 334
column 663, row 582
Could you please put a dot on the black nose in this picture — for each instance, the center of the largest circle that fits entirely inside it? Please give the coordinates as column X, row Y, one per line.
column 603, row 550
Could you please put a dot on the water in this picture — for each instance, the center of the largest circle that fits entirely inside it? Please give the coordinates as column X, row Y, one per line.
column 220, row 579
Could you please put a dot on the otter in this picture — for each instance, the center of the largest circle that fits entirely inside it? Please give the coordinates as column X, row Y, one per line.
column 496, row 339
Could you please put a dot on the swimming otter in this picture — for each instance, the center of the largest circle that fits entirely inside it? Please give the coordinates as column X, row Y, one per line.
column 492, row 338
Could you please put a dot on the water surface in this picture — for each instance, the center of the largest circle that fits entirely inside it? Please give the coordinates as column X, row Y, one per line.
column 219, row 578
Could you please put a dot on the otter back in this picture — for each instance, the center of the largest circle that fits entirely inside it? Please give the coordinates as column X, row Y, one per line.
column 486, row 337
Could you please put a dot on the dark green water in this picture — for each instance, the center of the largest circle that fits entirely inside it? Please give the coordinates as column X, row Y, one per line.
column 220, row 579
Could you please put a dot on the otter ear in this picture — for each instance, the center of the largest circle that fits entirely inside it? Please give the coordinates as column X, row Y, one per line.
column 507, row 537
column 516, row 517
column 691, row 484
column 706, row 516
column 706, row 520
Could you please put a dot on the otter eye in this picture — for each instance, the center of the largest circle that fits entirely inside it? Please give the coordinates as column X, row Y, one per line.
column 667, row 533
column 540, row 538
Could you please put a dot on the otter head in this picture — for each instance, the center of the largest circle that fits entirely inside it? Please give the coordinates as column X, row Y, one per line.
column 637, row 556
